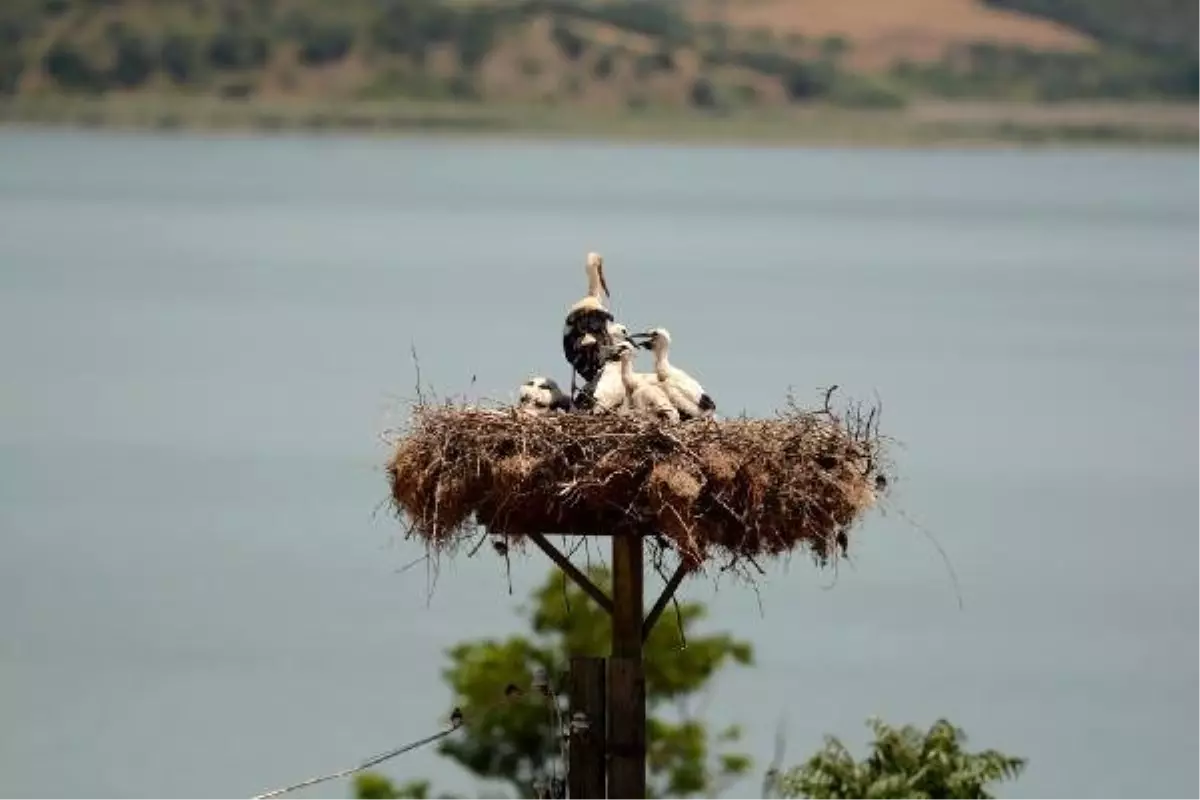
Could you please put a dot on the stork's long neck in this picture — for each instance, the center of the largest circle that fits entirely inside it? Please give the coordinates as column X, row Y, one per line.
column 595, row 289
column 627, row 374
column 662, row 367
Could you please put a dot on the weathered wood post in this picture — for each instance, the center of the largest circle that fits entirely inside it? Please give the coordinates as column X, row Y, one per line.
column 589, row 729
column 626, row 677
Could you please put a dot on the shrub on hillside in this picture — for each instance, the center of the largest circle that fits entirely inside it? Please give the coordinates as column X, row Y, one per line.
column 804, row 82
column 11, row 68
column 569, row 43
column 71, row 69
column 11, row 33
column 834, row 47
column 651, row 19
column 180, row 59
column 134, row 62
column 232, row 49
column 854, row 91
column 990, row 70
column 650, row 63
column 702, row 94
column 604, row 66
column 766, row 63
column 462, row 87
column 1156, row 27
column 475, row 35
column 411, row 27
column 321, row 45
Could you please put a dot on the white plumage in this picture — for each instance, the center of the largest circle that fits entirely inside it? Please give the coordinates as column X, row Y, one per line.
column 539, row 395
column 588, row 317
column 685, row 392
column 618, row 332
column 643, row 396
column 602, row 351
column 608, row 393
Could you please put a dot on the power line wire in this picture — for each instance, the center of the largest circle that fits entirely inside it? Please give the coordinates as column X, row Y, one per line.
column 457, row 721
column 455, row 724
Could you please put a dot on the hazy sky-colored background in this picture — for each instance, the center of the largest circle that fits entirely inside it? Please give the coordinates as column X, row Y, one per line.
column 203, row 337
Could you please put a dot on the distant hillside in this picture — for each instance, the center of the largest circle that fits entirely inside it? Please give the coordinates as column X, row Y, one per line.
column 881, row 33
column 622, row 54
column 1156, row 26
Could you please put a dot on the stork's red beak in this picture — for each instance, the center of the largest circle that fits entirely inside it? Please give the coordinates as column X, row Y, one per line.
column 603, row 283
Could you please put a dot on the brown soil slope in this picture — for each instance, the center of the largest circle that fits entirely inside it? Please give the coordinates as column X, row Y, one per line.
column 880, row 32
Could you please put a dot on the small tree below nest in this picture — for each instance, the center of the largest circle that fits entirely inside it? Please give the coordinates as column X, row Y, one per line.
column 904, row 762
column 513, row 744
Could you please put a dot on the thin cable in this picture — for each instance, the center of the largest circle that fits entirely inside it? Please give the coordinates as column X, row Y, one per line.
column 379, row 759
column 456, row 721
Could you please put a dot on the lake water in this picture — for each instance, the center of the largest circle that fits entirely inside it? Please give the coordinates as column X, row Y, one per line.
column 202, row 338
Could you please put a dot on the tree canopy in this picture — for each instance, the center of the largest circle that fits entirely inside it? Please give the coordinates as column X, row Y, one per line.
column 904, row 762
column 514, row 744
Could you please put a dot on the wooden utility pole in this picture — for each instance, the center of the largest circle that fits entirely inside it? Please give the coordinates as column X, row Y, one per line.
column 622, row 702
column 626, row 676
column 588, row 749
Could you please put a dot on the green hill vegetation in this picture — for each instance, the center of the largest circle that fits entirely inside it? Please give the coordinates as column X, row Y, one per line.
column 600, row 56
column 1165, row 27
column 625, row 53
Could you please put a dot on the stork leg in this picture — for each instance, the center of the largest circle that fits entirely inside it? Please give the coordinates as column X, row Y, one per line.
column 572, row 384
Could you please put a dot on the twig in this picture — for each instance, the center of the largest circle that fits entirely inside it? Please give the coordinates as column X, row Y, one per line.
column 412, row 564
column 475, row 548
column 772, row 775
column 417, row 367
column 941, row 551
column 828, row 396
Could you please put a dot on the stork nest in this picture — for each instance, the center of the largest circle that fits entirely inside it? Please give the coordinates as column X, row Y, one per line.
column 740, row 488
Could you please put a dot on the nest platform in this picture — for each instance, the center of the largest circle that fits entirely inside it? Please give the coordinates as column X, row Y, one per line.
column 742, row 488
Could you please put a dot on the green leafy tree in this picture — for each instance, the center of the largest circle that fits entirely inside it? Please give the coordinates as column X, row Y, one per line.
column 510, row 742
column 905, row 763
column 372, row 786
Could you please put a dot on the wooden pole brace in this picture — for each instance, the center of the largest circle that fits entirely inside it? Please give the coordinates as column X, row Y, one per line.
column 661, row 603
column 573, row 572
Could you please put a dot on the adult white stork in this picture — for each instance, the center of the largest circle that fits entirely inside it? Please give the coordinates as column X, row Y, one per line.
column 684, row 391
column 539, row 395
column 588, row 317
column 644, row 396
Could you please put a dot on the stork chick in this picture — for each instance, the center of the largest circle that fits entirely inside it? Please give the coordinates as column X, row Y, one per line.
column 607, row 391
column 645, row 397
column 540, row 395
column 685, row 392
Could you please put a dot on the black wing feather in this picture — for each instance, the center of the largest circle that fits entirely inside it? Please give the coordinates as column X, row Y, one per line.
column 587, row 361
column 558, row 398
column 585, row 398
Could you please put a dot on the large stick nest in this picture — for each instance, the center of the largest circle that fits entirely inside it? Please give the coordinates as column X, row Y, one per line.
column 740, row 488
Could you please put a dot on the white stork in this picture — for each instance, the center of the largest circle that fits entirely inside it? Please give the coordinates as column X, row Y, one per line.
column 644, row 396
column 684, row 391
column 539, row 395
column 618, row 333
column 607, row 391
column 588, row 317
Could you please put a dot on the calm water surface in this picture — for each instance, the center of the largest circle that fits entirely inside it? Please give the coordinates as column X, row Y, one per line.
column 202, row 338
